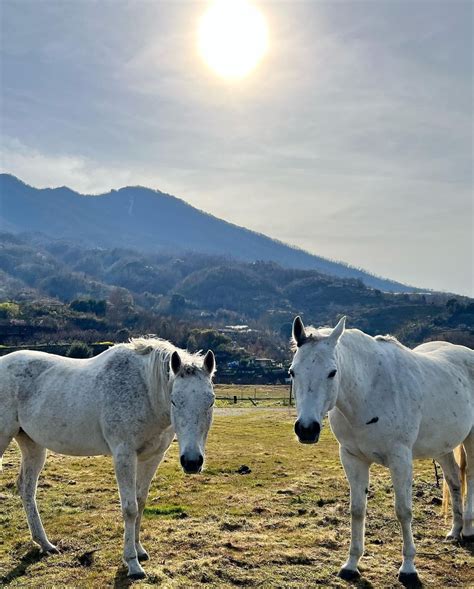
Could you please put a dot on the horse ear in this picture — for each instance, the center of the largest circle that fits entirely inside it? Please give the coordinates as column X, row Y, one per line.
column 209, row 362
column 299, row 334
column 175, row 362
column 338, row 330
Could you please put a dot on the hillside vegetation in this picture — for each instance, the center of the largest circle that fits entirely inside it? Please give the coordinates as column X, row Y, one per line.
column 54, row 291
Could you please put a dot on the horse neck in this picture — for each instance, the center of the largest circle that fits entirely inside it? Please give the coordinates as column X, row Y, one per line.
column 355, row 351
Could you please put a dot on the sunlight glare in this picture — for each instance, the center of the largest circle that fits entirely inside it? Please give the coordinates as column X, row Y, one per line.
column 233, row 37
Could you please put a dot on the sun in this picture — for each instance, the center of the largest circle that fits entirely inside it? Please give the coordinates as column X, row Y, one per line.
column 233, row 37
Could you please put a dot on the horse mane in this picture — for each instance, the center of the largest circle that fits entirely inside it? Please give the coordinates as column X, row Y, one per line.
column 317, row 334
column 146, row 345
column 389, row 339
column 159, row 352
column 313, row 334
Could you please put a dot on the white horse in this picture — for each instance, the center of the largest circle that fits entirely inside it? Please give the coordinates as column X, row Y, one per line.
column 389, row 405
column 127, row 402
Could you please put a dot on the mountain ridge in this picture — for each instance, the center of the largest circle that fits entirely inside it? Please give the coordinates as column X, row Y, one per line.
column 151, row 220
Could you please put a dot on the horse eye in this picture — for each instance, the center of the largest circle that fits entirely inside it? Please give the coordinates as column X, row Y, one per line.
column 332, row 374
column 173, row 403
column 291, row 372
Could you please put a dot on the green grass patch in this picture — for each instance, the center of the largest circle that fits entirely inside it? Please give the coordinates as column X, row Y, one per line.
column 164, row 510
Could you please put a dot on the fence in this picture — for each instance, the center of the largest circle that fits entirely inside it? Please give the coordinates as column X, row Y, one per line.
column 273, row 394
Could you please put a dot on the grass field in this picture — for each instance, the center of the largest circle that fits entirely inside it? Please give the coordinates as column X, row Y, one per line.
column 284, row 524
column 252, row 395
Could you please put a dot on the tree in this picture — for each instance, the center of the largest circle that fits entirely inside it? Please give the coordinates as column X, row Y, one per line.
column 79, row 350
column 177, row 304
column 9, row 310
column 98, row 307
column 121, row 304
column 122, row 335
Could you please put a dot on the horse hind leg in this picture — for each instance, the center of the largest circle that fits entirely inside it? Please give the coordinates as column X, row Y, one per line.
column 9, row 428
column 453, row 480
column 4, row 442
column 468, row 516
column 32, row 461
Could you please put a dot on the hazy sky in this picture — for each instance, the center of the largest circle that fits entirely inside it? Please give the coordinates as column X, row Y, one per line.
column 351, row 139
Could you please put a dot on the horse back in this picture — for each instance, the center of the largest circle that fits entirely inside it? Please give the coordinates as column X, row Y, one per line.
column 458, row 358
column 20, row 370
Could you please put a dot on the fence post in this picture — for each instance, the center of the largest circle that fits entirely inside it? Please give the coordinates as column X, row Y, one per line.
column 235, row 399
column 291, row 394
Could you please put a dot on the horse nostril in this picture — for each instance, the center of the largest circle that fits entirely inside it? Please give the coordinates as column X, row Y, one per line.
column 307, row 434
column 297, row 428
column 297, row 425
column 191, row 466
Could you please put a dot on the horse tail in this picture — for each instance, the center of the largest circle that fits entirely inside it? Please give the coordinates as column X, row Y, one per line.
column 460, row 457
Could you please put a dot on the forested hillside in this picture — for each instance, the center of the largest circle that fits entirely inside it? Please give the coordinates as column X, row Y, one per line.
column 56, row 291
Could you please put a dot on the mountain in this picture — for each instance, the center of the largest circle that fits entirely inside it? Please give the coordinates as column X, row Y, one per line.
column 150, row 220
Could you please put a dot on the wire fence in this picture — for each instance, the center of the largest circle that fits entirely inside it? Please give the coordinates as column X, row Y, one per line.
column 234, row 394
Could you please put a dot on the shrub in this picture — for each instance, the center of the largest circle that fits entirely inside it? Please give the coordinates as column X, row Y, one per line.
column 79, row 350
column 9, row 310
column 122, row 335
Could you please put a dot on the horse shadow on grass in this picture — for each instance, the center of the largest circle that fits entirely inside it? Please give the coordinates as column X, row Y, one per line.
column 468, row 546
column 121, row 580
column 31, row 557
column 362, row 583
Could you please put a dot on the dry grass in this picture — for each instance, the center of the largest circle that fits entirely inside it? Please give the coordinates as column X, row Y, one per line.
column 285, row 524
column 252, row 395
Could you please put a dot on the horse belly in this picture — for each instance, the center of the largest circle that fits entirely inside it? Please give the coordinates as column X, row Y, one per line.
column 88, row 443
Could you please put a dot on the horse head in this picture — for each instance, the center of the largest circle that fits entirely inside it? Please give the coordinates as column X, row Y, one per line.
column 192, row 401
column 315, row 377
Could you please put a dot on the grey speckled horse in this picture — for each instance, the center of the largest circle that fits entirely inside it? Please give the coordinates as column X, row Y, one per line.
column 128, row 402
column 387, row 405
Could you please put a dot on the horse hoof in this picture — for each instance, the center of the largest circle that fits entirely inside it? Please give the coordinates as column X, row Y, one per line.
column 410, row 580
column 143, row 556
column 349, row 575
column 50, row 550
column 452, row 538
column 137, row 575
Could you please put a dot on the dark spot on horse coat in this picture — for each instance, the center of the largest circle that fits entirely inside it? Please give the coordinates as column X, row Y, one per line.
column 373, row 420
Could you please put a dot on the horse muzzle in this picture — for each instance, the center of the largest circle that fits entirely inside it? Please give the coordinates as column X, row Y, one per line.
column 192, row 465
column 307, row 434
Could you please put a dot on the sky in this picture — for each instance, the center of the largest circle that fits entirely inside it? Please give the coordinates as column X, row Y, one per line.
column 352, row 138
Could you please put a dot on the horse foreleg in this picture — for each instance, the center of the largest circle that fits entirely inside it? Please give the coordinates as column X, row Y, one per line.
column 32, row 461
column 125, row 464
column 357, row 473
column 401, row 470
column 145, row 472
column 468, row 523
column 452, row 478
